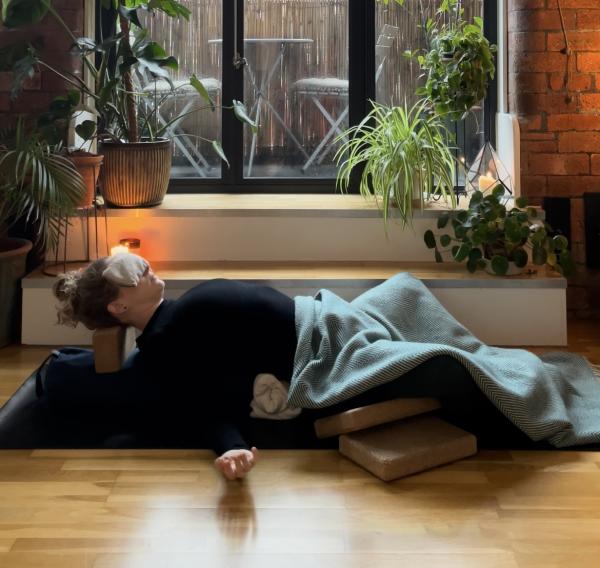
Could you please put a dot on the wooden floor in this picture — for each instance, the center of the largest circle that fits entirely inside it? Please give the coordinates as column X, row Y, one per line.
column 309, row 509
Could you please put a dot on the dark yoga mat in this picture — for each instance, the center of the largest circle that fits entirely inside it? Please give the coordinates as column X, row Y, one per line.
column 29, row 422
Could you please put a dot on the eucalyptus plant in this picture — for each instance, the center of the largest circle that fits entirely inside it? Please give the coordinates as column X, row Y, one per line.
column 405, row 156
column 37, row 183
column 488, row 232
column 116, row 65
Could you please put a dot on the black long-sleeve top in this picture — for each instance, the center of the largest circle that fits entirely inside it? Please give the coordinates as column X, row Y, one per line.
column 206, row 348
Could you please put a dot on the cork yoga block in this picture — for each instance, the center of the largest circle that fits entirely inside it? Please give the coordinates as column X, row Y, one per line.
column 373, row 415
column 111, row 346
column 396, row 450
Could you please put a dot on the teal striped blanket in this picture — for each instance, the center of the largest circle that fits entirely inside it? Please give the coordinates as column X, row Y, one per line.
column 345, row 348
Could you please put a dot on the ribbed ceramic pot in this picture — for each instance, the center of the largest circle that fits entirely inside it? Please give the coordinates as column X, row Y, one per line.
column 136, row 174
column 13, row 256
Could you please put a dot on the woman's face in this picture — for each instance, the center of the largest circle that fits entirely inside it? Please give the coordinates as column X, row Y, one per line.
column 149, row 290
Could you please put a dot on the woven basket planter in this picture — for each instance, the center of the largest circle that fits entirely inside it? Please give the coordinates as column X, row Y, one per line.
column 136, row 174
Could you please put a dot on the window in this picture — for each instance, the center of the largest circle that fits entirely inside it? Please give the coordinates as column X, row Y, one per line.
column 311, row 67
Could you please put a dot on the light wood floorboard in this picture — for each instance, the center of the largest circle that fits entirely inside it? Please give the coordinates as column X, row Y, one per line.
column 170, row 509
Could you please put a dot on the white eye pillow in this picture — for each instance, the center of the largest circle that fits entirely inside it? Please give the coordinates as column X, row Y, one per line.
column 125, row 269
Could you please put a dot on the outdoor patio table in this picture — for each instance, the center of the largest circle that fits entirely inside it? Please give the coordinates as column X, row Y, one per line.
column 260, row 87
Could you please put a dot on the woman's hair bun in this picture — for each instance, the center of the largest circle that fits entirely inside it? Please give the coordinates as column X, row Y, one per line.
column 65, row 290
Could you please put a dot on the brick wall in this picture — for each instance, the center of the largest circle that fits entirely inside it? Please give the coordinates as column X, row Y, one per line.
column 45, row 85
column 557, row 98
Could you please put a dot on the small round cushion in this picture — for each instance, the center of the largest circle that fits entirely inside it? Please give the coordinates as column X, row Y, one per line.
column 182, row 86
column 322, row 86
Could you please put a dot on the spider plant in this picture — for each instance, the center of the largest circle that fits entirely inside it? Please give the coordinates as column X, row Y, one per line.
column 406, row 158
column 36, row 183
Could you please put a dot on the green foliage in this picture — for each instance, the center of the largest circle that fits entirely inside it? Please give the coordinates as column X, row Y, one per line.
column 120, row 65
column 457, row 64
column 37, row 183
column 405, row 156
column 488, row 232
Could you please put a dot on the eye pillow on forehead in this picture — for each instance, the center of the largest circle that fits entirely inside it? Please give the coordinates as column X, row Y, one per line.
column 125, row 269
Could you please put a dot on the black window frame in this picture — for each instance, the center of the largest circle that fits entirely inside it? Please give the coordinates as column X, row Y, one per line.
column 361, row 76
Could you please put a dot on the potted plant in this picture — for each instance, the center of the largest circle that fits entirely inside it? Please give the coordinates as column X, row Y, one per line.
column 41, row 185
column 137, row 155
column 488, row 235
column 405, row 157
column 458, row 62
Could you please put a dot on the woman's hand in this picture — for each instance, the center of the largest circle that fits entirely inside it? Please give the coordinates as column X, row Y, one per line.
column 235, row 464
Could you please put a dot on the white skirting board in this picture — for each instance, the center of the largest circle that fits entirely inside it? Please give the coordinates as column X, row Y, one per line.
column 498, row 316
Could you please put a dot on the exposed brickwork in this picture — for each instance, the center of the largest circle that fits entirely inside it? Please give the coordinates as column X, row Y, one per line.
column 557, row 100
column 45, row 85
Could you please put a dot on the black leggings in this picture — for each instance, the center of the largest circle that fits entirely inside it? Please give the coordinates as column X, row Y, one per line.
column 463, row 403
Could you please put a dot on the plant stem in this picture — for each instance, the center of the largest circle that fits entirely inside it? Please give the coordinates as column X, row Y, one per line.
column 71, row 78
column 130, row 106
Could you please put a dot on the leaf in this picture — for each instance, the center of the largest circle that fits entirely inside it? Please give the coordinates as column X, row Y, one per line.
column 560, row 242
column 539, row 255
column 520, row 257
column 462, row 252
column 499, row 264
column 429, row 239
column 84, row 45
column 445, row 240
column 131, row 15
column 199, row 86
column 219, row 150
column 438, row 256
column 23, row 69
column 86, row 129
column 240, row 112
column 521, row 202
column 17, row 13
column 443, row 220
column 170, row 8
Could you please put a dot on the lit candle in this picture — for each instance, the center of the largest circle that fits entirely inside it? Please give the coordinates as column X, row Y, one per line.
column 117, row 249
column 487, row 182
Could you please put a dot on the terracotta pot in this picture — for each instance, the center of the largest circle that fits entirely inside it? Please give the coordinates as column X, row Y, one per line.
column 88, row 166
column 13, row 254
column 136, row 174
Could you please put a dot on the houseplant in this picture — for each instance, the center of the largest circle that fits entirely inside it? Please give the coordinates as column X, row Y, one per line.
column 489, row 235
column 137, row 156
column 405, row 157
column 41, row 185
column 458, row 62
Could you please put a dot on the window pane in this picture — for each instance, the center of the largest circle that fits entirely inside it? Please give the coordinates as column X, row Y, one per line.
column 296, row 86
column 397, row 76
column 193, row 154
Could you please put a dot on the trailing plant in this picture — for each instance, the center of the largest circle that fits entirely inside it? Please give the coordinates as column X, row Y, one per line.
column 404, row 154
column 37, row 183
column 125, row 111
column 489, row 232
column 458, row 61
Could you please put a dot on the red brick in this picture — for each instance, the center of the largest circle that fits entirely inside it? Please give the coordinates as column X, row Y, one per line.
column 527, row 41
column 578, row 41
column 577, row 298
column 539, row 63
column 527, row 82
column 588, row 19
column 537, row 136
column 596, row 164
column 572, row 186
column 574, row 4
column 528, row 123
column 533, row 186
column 6, row 80
column 578, row 142
column 526, row 4
column 590, row 102
column 573, row 122
column 4, row 103
column 534, row 20
column 528, row 146
column 32, row 102
column 588, row 62
column 534, row 103
column 577, row 82
column 559, row 164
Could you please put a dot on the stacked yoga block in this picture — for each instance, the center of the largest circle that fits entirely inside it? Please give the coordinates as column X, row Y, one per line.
column 396, row 438
column 391, row 439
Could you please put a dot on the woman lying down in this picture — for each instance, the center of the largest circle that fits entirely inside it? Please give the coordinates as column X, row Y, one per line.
column 217, row 340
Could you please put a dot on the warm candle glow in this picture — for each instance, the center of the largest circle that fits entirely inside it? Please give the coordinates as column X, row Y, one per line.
column 487, row 182
column 117, row 249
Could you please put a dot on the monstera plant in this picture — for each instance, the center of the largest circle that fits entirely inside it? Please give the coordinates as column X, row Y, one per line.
column 137, row 151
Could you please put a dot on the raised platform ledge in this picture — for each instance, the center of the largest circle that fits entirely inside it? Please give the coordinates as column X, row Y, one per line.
column 529, row 309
